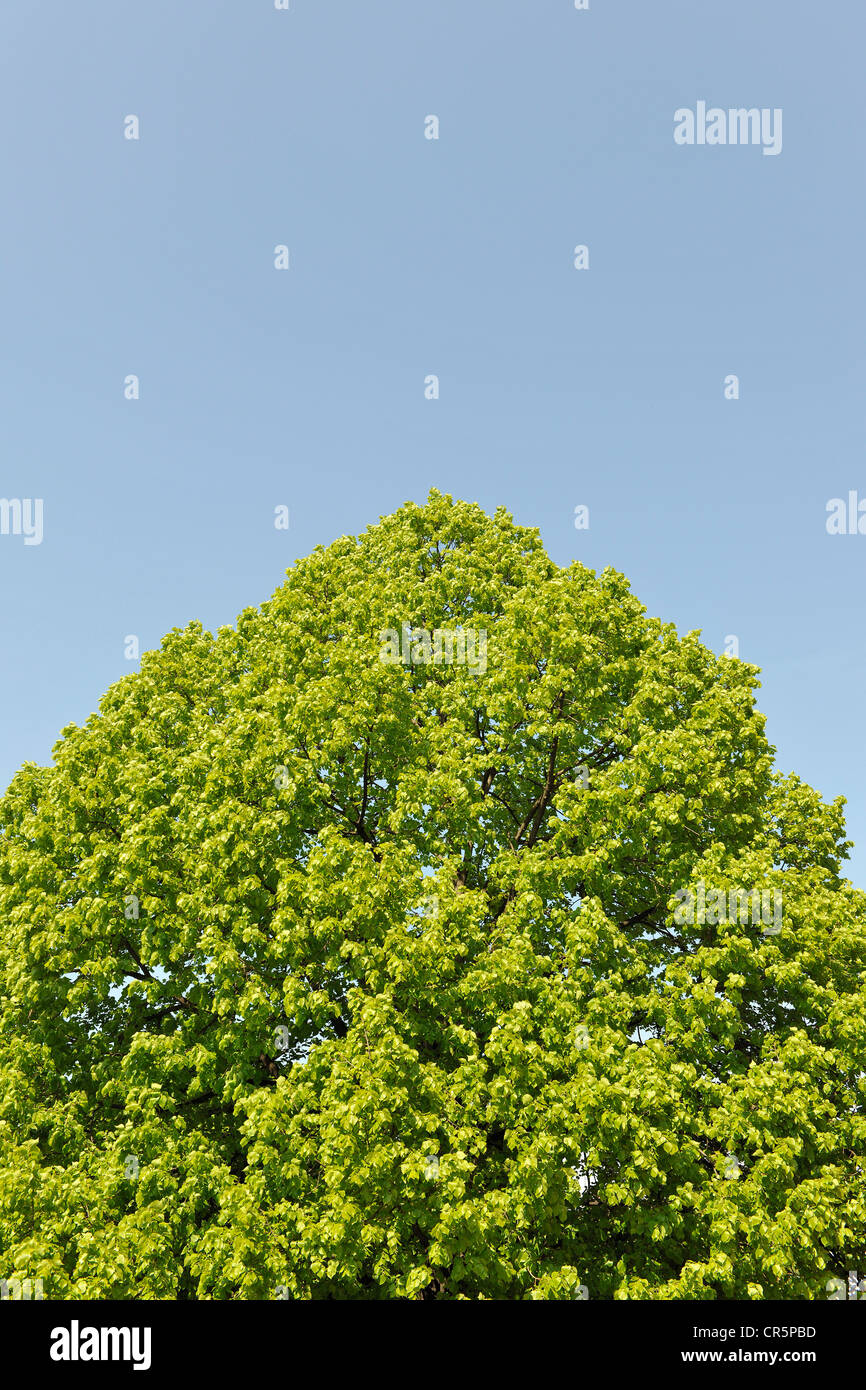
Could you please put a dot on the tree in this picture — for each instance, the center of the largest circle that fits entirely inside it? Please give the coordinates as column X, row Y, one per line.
column 347, row 954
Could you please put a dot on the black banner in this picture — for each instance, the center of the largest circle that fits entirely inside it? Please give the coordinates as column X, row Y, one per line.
column 82, row 1340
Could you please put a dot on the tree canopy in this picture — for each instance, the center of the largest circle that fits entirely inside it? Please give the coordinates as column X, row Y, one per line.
column 329, row 973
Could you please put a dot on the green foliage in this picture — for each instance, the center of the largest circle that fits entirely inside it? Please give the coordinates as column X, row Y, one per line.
column 242, row 1059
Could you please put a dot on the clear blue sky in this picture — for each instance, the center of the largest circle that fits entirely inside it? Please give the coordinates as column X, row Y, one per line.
column 411, row 256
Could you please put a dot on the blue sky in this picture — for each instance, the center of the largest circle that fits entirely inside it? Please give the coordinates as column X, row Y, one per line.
column 409, row 257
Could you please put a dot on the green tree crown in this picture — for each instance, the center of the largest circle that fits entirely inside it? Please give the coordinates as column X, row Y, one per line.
column 325, row 975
